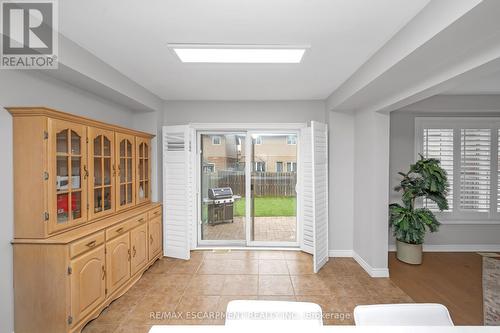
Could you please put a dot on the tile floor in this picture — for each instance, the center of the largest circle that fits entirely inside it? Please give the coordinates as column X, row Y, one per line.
column 171, row 291
column 275, row 228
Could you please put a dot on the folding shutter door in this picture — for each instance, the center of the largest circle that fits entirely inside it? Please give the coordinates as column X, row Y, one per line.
column 319, row 139
column 306, row 192
column 177, row 191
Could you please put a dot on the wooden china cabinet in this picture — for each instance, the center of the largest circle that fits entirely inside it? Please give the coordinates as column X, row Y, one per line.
column 85, row 229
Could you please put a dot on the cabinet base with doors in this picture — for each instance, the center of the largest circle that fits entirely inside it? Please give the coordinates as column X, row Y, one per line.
column 63, row 282
column 85, row 228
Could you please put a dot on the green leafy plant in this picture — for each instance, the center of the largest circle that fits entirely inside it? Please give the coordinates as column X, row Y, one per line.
column 426, row 179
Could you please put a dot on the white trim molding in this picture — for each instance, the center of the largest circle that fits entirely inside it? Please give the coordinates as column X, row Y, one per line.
column 374, row 272
column 456, row 248
column 340, row 253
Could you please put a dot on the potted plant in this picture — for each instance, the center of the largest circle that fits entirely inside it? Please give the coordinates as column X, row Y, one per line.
column 428, row 181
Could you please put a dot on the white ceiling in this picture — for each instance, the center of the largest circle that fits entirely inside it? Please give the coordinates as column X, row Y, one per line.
column 488, row 85
column 131, row 36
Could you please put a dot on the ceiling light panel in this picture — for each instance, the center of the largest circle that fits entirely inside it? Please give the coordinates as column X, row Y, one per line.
column 239, row 54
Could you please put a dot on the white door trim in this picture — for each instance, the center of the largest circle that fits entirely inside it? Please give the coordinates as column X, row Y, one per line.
column 241, row 128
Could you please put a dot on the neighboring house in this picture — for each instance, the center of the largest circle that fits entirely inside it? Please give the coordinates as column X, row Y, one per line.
column 271, row 153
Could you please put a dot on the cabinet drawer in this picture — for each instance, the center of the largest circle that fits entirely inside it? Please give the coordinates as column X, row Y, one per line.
column 154, row 213
column 83, row 245
column 138, row 220
column 117, row 230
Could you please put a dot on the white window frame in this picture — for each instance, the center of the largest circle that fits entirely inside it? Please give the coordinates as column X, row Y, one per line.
column 213, row 140
column 289, row 141
column 258, row 140
column 457, row 123
column 292, row 168
column 257, row 163
column 209, row 165
column 282, row 169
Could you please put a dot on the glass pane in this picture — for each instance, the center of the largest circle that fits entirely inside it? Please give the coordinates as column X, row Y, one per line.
column 122, row 195
column 76, row 205
column 273, row 197
column 62, row 173
column 129, row 169
column 75, row 143
column 107, row 171
column 62, row 141
column 129, row 193
column 62, row 208
column 122, row 170
column 141, row 147
column 146, row 170
column 97, row 200
column 146, row 152
column 107, row 147
column 141, row 190
column 97, row 171
column 97, row 146
column 146, row 190
column 141, row 169
column 75, row 172
column 129, row 149
column 222, row 166
column 122, row 148
column 107, row 198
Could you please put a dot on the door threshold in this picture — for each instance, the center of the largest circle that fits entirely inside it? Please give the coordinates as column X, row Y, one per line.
column 245, row 248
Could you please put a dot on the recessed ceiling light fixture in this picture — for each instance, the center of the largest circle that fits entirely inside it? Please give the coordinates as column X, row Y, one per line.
column 239, row 54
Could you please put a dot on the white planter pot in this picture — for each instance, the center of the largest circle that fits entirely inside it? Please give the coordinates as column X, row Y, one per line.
column 409, row 253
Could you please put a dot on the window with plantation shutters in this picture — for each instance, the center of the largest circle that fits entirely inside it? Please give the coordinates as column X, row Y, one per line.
column 438, row 144
column 468, row 149
column 475, row 164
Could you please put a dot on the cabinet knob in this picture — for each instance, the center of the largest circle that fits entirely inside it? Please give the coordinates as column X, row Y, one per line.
column 151, row 239
column 133, row 251
column 103, row 272
column 91, row 244
column 119, row 230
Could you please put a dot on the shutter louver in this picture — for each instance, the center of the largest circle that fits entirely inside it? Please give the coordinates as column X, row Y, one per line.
column 438, row 144
column 498, row 173
column 475, row 164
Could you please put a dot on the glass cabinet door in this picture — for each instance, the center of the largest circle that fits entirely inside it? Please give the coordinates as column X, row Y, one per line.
column 101, row 172
column 143, row 169
column 68, row 165
column 125, row 173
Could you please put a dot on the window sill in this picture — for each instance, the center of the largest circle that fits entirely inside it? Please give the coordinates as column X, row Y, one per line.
column 469, row 222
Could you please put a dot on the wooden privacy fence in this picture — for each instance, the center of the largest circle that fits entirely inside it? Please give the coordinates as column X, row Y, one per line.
column 276, row 184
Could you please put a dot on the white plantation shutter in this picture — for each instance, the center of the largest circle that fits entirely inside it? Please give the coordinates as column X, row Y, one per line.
column 498, row 170
column 475, row 161
column 320, row 193
column 306, row 175
column 177, row 191
column 469, row 151
column 438, row 144
column 314, row 194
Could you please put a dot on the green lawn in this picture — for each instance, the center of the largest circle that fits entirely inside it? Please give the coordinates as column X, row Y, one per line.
column 269, row 206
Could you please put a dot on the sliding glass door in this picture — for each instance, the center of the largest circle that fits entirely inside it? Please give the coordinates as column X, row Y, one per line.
column 273, row 197
column 247, row 188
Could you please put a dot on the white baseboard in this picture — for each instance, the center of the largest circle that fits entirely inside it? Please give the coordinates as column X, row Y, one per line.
column 456, row 248
column 340, row 253
column 372, row 271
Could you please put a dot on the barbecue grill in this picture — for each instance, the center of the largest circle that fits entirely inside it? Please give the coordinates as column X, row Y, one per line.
column 220, row 205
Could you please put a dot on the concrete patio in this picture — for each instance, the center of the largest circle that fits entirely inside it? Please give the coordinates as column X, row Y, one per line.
column 266, row 229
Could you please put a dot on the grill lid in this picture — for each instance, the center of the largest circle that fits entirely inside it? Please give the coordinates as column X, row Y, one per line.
column 220, row 192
